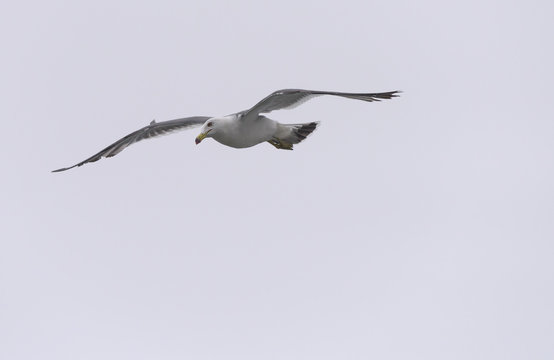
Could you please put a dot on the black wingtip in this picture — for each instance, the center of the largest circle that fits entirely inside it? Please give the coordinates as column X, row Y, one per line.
column 392, row 94
column 63, row 169
column 381, row 96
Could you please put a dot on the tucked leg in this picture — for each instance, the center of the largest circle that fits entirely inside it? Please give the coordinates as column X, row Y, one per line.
column 279, row 144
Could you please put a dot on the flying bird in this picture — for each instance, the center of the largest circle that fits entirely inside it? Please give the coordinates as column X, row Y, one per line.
column 242, row 129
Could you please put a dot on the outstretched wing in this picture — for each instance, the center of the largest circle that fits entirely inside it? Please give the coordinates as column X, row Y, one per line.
column 291, row 98
column 149, row 131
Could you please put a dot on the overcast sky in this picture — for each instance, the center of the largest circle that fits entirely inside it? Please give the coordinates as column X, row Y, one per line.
column 414, row 228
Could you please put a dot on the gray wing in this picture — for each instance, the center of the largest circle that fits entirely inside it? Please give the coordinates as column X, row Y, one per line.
column 147, row 132
column 291, row 98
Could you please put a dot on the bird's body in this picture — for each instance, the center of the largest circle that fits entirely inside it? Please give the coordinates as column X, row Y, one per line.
column 235, row 132
column 243, row 129
column 243, row 134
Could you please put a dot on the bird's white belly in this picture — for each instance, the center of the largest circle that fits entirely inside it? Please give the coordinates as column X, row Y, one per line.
column 245, row 135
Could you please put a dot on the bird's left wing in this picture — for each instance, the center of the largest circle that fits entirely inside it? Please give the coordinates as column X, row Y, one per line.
column 152, row 130
column 291, row 98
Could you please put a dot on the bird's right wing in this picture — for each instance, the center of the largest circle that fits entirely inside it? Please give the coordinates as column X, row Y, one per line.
column 149, row 131
column 291, row 98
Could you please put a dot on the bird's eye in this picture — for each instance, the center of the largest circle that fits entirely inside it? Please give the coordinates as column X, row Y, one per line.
column 210, row 124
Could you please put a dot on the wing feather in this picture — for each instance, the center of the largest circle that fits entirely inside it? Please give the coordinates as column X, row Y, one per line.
column 291, row 98
column 154, row 129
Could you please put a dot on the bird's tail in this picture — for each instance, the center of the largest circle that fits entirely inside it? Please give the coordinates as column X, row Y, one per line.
column 291, row 134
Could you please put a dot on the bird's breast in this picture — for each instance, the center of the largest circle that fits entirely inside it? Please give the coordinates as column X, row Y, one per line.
column 245, row 134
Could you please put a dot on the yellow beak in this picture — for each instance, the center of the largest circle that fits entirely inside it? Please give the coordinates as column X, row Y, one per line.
column 200, row 137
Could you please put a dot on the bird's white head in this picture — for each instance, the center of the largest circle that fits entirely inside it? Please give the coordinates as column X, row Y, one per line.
column 209, row 129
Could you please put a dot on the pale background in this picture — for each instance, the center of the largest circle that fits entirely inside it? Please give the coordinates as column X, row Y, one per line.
column 415, row 228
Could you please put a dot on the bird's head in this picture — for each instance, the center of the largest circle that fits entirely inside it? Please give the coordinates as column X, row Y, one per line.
column 209, row 129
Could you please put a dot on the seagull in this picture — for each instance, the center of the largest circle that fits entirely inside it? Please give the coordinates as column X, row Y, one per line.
column 242, row 129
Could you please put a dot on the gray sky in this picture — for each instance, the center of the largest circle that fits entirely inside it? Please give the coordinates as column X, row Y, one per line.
column 415, row 228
